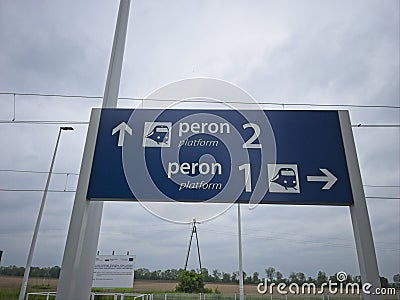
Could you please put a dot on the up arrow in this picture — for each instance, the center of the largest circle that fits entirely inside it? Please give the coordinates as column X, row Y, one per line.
column 329, row 178
column 122, row 128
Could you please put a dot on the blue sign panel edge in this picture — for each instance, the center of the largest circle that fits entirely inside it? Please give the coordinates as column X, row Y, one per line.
column 128, row 195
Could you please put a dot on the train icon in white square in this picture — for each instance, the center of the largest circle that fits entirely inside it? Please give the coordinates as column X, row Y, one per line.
column 283, row 178
column 157, row 134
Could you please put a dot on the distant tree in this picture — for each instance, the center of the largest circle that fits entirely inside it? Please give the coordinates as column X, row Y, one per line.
column 226, row 277
column 357, row 279
column 349, row 279
column 166, row 275
column 244, row 276
column 270, row 273
column 216, row 275
column 38, row 272
column 176, row 273
column 155, row 275
column 55, row 272
column 142, row 273
column 396, row 280
column 301, row 278
column 12, row 271
column 248, row 279
column 255, row 278
column 206, row 276
column 45, row 272
column 333, row 278
column 190, row 282
column 235, row 276
column 384, row 282
column 293, row 278
column 321, row 278
column 311, row 280
column 279, row 276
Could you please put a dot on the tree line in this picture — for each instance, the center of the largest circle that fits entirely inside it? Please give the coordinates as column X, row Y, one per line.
column 271, row 274
column 47, row 272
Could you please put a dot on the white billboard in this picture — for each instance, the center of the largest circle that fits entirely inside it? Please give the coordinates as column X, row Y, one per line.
column 114, row 271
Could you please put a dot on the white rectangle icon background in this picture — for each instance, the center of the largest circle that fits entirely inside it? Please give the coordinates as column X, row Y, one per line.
column 283, row 178
column 157, row 134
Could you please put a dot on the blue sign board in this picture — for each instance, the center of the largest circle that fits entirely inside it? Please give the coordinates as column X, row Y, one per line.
column 247, row 156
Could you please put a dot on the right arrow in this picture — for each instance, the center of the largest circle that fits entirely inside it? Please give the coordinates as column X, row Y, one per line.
column 329, row 178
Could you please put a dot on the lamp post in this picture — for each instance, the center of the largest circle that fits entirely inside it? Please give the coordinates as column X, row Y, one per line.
column 39, row 218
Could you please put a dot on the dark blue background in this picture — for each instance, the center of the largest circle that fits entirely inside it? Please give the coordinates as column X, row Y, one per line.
column 310, row 139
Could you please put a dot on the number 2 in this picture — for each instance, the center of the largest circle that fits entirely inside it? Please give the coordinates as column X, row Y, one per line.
column 249, row 143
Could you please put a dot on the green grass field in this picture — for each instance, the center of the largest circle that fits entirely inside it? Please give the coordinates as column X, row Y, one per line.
column 161, row 290
column 13, row 295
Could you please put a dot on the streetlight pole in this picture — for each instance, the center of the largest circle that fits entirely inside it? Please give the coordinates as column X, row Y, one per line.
column 39, row 218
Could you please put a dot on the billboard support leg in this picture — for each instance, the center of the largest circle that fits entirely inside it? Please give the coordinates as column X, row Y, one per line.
column 359, row 213
column 241, row 289
column 83, row 235
column 80, row 249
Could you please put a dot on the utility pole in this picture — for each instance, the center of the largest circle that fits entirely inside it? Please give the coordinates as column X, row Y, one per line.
column 194, row 231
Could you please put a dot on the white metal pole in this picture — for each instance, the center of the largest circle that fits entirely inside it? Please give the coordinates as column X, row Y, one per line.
column 111, row 90
column 359, row 213
column 241, row 289
column 84, row 229
column 38, row 220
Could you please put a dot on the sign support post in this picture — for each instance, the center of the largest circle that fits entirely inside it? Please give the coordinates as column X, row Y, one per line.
column 359, row 213
column 241, row 289
column 83, row 235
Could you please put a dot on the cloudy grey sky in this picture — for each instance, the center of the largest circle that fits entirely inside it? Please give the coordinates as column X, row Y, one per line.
column 322, row 52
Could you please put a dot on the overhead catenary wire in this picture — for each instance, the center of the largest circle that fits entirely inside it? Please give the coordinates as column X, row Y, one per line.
column 36, row 190
column 255, row 233
column 296, row 240
column 77, row 174
column 73, row 191
column 281, row 104
column 53, row 122
column 45, row 122
column 57, row 122
column 207, row 101
column 381, row 186
column 264, row 235
column 37, row 172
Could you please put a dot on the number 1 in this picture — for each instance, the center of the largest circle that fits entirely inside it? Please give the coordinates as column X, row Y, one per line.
column 247, row 176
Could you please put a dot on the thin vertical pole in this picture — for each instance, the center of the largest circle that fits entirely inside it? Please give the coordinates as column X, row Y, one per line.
column 36, row 230
column 198, row 246
column 190, row 244
column 241, row 290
